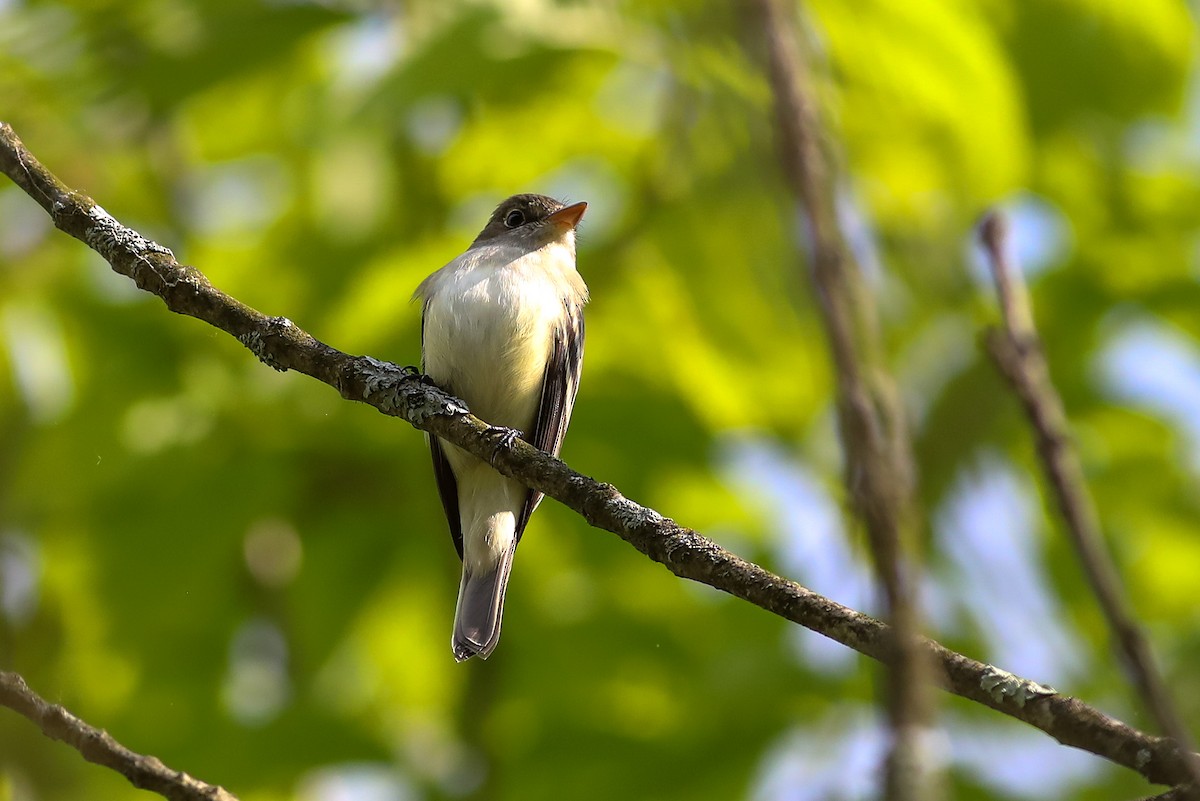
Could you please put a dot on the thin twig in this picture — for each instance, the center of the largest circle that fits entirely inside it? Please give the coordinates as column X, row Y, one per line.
column 394, row 391
column 1017, row 351
column 98, row 746
column 879, row 462
column 1184, row 792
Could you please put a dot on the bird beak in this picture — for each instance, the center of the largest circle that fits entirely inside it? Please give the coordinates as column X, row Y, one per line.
column 568, row 216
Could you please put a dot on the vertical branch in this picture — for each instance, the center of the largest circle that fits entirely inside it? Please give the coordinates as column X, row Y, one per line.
column 1017, row 352
column 879, row 463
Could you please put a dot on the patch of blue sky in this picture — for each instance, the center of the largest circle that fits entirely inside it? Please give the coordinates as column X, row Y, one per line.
column 1155, row 367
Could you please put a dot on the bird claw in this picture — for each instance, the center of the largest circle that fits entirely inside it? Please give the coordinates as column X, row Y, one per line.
column 414, row 374
column 507, row 437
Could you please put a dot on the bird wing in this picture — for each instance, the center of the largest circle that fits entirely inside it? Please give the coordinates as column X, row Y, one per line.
column 447, row 488
column 447, row 484
column 560, row 384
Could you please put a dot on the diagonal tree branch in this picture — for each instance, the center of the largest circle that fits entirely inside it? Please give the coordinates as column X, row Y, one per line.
column 1181, row 793
column 1017, row 351
column 98, row 746
column 1184, row 792
column 400, row 393
column 874, row 432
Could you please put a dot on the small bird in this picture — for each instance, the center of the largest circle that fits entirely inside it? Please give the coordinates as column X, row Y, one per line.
column 502, row 329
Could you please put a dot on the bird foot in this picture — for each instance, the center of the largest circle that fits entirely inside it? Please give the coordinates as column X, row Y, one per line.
column 507, row 437
column 413, row 373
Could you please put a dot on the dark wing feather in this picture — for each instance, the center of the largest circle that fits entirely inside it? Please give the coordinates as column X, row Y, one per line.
column 446, row 483
column 559, row 387
column 448, row 488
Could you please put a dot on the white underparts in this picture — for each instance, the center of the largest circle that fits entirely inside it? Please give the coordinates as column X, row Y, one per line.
column 490, row 318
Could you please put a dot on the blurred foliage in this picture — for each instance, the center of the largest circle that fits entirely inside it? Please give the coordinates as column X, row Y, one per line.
column 239, row 572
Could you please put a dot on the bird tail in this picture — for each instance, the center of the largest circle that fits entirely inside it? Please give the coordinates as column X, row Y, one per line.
column 480, row 607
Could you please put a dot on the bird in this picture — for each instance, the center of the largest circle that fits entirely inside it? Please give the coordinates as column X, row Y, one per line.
column 502, row 329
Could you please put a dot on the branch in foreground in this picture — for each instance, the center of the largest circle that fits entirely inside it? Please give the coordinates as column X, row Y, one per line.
column 1184, row 792
column 98, row 746
column 1017, row 351
column 874, row 433
column 399, row 393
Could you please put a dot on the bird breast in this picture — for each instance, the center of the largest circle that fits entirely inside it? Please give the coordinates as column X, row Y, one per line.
column 489, row 328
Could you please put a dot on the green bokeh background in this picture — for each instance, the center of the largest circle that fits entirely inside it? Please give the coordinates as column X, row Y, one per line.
column 237, row 571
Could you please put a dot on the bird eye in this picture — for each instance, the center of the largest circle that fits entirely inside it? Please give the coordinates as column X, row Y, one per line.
column 514, row 218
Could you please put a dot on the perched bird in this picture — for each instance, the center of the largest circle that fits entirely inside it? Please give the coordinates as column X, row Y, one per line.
column 502, row 329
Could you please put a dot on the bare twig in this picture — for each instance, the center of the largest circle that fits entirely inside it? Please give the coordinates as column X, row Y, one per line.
column 1184, row 792
column 879, row 463
column 396, row 392
column 98, row 746
column 1017, row 351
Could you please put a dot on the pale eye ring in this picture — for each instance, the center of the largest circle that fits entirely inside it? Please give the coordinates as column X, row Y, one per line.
column 514, row 218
